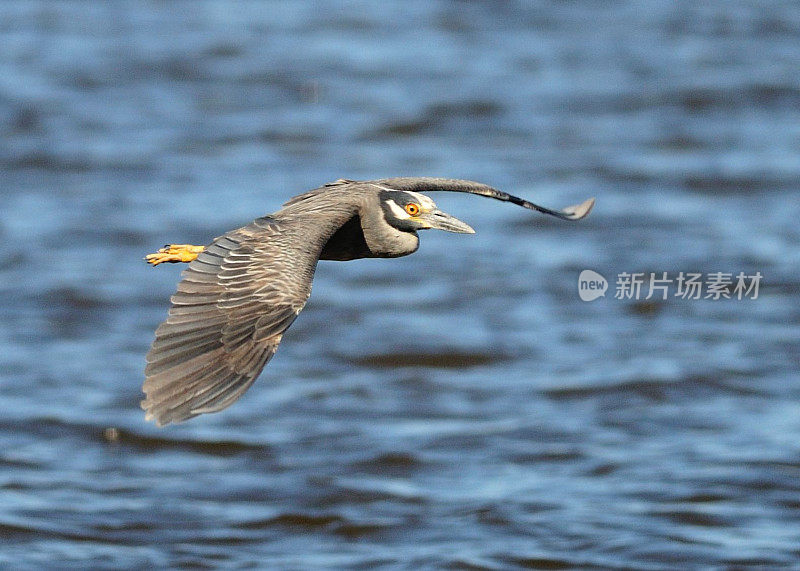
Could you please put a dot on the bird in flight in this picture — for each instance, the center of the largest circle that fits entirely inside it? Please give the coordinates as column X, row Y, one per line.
column 242, row 291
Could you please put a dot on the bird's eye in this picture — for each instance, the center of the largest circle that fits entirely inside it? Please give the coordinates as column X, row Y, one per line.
column 412, row 209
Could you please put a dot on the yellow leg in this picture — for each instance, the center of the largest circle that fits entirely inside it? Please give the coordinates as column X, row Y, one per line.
column 174, row 253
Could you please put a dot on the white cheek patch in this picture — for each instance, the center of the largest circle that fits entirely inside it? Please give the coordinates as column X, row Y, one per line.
column 398, row 212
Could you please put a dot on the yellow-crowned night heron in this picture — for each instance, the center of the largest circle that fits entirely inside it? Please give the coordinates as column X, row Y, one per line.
column 241, row 292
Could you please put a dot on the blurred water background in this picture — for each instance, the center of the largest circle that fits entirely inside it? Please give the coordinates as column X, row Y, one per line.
column 460, row 408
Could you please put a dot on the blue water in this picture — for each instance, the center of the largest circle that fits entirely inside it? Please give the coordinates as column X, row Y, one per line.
column 460, row 408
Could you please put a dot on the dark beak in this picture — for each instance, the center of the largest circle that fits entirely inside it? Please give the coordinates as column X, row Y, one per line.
column 439, row 220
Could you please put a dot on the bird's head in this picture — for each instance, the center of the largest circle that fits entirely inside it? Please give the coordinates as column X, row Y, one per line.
column 411, row 211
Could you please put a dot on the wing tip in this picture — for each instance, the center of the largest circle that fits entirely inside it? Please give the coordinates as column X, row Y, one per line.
column 165, row 417
column 148, row 414
column 579, row 211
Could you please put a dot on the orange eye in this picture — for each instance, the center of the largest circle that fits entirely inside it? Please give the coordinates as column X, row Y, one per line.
column 412, row 209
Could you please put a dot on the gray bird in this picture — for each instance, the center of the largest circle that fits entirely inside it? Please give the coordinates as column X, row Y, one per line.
column 242, row 291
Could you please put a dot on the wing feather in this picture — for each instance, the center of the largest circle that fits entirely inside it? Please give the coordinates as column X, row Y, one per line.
column 230, row 310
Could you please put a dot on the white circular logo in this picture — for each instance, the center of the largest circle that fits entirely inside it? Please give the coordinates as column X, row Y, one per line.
column 591, row 285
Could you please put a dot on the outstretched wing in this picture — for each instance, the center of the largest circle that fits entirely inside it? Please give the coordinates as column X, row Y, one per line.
column 428, row 184
column 233, row 304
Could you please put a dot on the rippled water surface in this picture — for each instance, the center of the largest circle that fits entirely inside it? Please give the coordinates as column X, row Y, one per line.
column 459, row 408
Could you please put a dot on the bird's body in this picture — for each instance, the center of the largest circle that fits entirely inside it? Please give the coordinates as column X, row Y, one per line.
column 242, row 291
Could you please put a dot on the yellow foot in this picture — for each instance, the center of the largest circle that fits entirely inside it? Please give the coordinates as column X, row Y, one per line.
column 174, row 253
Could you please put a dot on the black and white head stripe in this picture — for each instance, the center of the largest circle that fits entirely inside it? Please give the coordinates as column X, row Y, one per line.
column 395, row 202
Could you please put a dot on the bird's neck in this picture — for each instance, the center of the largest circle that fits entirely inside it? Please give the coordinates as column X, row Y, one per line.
column 383, row 239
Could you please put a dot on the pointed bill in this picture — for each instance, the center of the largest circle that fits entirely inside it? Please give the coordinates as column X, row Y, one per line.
column 438, row 220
